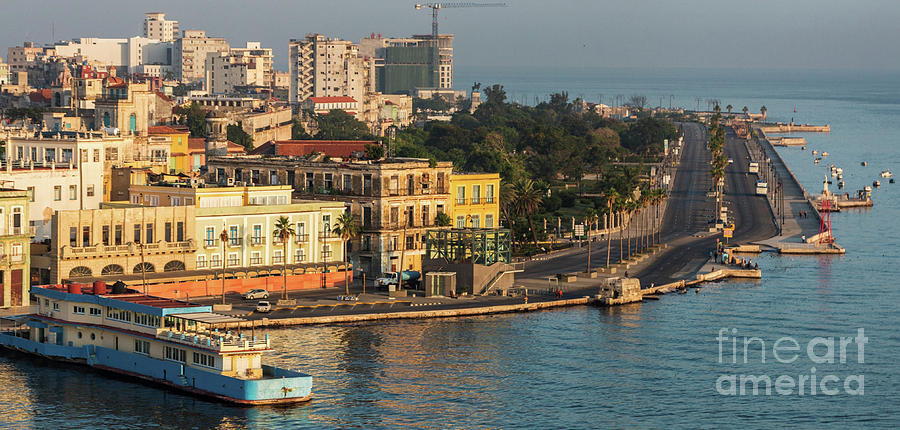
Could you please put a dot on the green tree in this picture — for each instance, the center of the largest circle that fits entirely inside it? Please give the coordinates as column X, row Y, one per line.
column 237, row 135
column 745, row 110
column 339, row 125
column 374, row 151
column 528, row 199
column 283, row 232
column 298, row 132
column 442, row 219
column 611, row 195
column 346, row 227
column 194, row 117
column 590, row 217
column 729, row 108
column 763, row 111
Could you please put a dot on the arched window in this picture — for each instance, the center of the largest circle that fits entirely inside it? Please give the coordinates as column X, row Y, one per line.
column 174, row 266
column 80, row 272
column 112, row 269
column 144, row 267
column 106, row 119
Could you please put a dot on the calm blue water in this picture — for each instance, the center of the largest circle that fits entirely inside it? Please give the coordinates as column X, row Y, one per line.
column 638, row 366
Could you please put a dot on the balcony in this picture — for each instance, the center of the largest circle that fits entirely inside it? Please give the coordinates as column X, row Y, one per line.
column 277, row 259
column 301, row 238
column 257, row 241
column 326, row 254
column 235, row 241
column 215, row 341
column 209, row 243
column 67, row 252
column 255, row 261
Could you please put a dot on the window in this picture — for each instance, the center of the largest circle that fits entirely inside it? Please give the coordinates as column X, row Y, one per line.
column 233, row 259
column 233, row 237
column 149, row 234
column 299, row 256
column 257, row 234
column 326, row 222
column 16, row 252
column 73, row 192
column 410, row 243
column 210, row 238
column 489, row 194
column 201, row 261
column 347, row 185
column 460, row 222
column 17, row 220
column 168, row 232
column 118, row 234
column 310, row 184
column 79, row 310
column 489, row 221
column 55, row 306
column 73, row 237
column 90, row 191
column 176, row 354
column 96, row 155
column 255, row 258
column 95, row 312
column 112, row 154
column 426, row 220
column 30, row 194
column 57, row 192
column 142, row 347
column 86, row 236
column 460, row 195
column 137, row 233
column 329, row 181
column 146, row 320
column 367, row 184
column 105, row 235
column 216, row 261
column 277, row 257
column 179, row 231
column 118, row 315
column 476, row 221
column 205, row 360
column 476, row 194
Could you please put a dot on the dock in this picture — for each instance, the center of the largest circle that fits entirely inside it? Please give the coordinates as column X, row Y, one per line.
column 797, row 235
column 780, row 127
column 788, row 141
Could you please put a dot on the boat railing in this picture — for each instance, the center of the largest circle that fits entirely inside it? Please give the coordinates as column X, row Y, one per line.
column 219, row 341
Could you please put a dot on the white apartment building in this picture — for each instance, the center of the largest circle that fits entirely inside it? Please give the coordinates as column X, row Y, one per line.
column 239, row 67
column 191, row 51
column 156, row 26
column 56, row 178
column 324, row 67
column 130, row 53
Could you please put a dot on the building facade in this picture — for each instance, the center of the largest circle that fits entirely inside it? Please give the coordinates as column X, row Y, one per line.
column 323, row 67
column 156, row 26
column 15, row 239
column 238, row 68
column 404, row 64
column 395, row 200
column 121, row 241
column 475, row 202
column 191, row 51
column 179, row 158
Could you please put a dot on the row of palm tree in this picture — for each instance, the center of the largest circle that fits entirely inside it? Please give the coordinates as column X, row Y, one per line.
column 719, row 159
column 640, row 219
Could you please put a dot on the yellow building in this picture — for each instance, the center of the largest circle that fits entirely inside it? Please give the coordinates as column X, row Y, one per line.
column 209, row 196
column 179, row 156
column 476, row 200
column 15, row 238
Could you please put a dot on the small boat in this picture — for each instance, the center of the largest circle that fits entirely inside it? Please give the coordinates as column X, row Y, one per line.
column 886, row 174
column 891, row 180
column 817, row 160
column 839, row 171
column 803, row 148
column 841, row 184
column 864, row 164
column 825, row 154
column 876, row 184
column 815, row 152
column 867, row 189
column 840, row 177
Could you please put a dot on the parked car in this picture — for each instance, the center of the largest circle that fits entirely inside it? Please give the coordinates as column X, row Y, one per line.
column 263, row 307
column 255, row 294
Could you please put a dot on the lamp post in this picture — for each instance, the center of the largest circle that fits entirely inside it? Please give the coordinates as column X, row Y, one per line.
column 224, row 238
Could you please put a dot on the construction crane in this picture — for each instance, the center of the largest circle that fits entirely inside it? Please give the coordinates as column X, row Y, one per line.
column 435, row 7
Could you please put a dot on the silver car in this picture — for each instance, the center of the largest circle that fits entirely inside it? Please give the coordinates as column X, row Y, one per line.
column 255, row 294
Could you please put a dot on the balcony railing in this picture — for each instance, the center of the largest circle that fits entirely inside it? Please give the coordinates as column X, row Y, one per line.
column 301, row 238
column 255, row 260
column 235, row 241
column 209, row 243
column 257, row 241
column 277, row 259
column 326, row 254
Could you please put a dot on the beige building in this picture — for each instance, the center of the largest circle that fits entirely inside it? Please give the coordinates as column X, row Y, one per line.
column 191, row 51
column 129, row 107
column 121, row 241
column 237, row 68
column 394, row 200
column 230, row 194
column 273, row 124
column 15, row 239
column 4, row 73
column 21, row 57
column 323, row 67
column 156, row 26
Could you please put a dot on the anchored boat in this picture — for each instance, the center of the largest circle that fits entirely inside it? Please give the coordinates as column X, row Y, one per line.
column 886, row 174
column 170, row 342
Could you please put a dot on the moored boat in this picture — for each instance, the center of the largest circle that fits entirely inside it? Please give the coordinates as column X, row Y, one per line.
column 886, row 174
column 170, row 342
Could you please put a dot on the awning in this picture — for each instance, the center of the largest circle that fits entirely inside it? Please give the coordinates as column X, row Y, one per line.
column 208, row 318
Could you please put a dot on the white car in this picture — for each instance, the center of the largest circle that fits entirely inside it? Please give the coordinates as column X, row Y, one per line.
column 263, row 307
column 256, row 294
column 730, row 161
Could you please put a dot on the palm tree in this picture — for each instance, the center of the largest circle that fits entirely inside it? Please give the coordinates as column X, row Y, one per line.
column 283, row 232
column 611, row 196
column 629, row 211
column 745, row 110
column 442, row 220
column 728, row 108
column 507, row 201
column 763, row 111
column 621, row 207
column 528, row 199
column 346, row 227
column 590, row 217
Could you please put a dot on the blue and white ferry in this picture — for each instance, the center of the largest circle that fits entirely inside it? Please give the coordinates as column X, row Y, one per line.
column 175, row 343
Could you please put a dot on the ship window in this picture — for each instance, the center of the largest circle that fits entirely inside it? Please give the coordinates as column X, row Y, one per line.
column 95, row 312
column 79, row 335
column 176, row 354
column 204, row 359
column 78, row 310
column 141, row 346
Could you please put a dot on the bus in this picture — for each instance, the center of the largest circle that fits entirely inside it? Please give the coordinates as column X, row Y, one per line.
column 762, row 187
column 754, row 167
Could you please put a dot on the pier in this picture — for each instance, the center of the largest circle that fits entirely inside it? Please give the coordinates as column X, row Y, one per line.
column 780, row 127
column 797, row 235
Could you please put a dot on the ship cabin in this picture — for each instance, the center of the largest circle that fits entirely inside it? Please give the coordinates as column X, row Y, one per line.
column 89, row 317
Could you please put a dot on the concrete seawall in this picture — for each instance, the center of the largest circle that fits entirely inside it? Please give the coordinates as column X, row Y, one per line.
column 795, row 128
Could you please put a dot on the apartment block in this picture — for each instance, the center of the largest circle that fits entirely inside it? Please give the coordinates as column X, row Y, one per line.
column 405, row 64
column 191, row 51
column 15, row 240
column 239, row 68
column 324, row 67
column 156, row 26
column 476, row 202
column 395, row 200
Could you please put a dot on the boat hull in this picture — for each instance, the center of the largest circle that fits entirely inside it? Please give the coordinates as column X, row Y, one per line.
column 282, row 385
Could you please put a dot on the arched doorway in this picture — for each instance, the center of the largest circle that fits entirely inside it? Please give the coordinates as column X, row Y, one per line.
column 80, row 272
column 173, row 266
column 144, row 267
column 112, row 269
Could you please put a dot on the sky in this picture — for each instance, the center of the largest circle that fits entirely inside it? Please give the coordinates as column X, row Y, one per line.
column 784, row 34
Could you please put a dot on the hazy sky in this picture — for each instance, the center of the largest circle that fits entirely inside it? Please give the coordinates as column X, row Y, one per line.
column 852, row 34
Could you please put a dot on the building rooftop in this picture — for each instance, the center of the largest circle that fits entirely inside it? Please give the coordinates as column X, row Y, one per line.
column 164, row 129
column 338, row 99
column 152, row 301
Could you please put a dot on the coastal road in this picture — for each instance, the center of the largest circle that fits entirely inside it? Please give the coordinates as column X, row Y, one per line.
column 750, row 212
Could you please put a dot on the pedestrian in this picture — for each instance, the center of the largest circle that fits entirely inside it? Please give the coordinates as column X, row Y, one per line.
column 526, row 297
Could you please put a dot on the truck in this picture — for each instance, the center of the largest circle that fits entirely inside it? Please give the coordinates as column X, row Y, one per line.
column 410, row 278
column 754, row 167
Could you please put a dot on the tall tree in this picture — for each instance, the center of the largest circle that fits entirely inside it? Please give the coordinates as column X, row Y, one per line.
column 237, row 135
column 611, row 197
column 528, row 199
column 590, row 217
column 283, row 232
column 340, row 125
column 346, row 227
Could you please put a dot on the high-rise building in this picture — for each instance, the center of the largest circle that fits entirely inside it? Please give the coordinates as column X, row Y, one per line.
column 325, row 67
column 156, row 26
column 191, row 51
column 405, row 64
column 239, row 67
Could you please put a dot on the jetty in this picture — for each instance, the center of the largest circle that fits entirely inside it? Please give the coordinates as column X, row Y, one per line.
column 780, row 127
column 797, row 234
column 788, row 141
